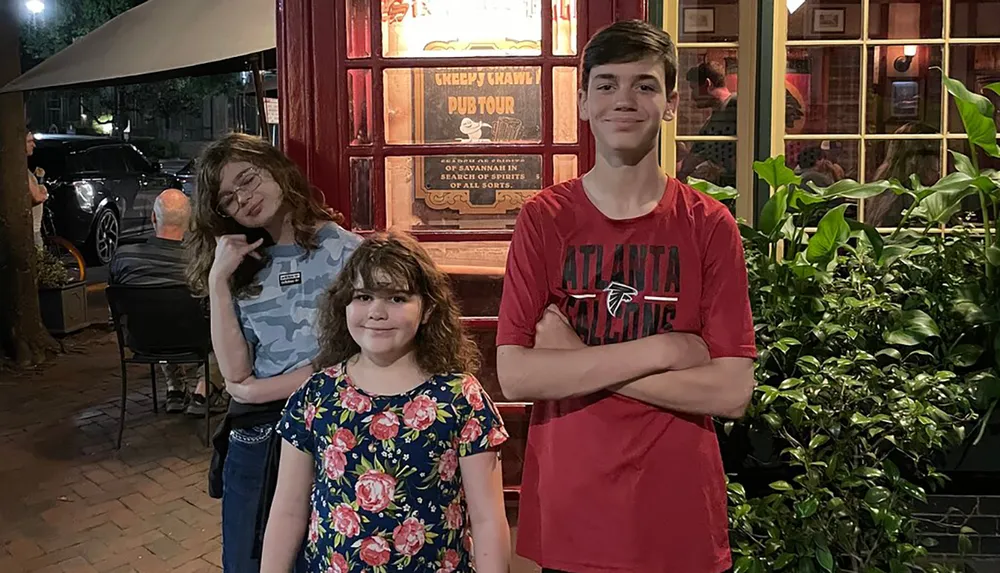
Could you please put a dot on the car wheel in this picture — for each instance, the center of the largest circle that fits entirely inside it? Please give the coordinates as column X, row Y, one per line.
column 104, row 237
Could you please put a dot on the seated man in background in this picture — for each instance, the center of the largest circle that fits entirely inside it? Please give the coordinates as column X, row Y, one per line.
column 160, row 261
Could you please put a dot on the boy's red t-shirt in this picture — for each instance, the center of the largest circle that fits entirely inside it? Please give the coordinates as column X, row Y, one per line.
column 611, row 483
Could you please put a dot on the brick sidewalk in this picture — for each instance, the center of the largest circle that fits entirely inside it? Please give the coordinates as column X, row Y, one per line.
column 70, row 503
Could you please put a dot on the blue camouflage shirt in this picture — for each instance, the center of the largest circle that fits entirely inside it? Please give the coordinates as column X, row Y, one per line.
column 278, row 323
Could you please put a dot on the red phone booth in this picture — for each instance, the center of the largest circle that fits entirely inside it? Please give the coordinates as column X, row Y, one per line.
column 441, row 117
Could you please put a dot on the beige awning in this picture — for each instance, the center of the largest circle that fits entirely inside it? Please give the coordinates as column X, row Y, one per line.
column 160, row 39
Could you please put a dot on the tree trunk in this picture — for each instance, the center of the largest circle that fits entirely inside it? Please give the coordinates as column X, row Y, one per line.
column 22, row 331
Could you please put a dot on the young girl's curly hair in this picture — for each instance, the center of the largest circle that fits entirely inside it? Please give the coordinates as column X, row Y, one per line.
column 395, row 261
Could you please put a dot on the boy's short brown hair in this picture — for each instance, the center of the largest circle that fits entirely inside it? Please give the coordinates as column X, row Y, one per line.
column 630, row 41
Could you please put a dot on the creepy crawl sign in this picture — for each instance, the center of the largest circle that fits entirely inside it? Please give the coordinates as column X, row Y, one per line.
column 479, row 105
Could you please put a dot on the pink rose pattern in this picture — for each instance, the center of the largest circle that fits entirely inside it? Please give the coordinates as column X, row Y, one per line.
column 388, row 489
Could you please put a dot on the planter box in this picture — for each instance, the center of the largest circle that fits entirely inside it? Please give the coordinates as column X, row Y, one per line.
column 64, row 310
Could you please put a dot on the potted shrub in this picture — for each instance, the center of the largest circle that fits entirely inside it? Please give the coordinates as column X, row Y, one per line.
column 63, row 302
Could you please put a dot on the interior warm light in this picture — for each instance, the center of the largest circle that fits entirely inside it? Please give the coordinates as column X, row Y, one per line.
column 910, row 51
column 794, row 5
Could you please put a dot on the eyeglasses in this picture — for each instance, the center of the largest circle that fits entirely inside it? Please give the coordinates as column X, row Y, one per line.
column 230, row 203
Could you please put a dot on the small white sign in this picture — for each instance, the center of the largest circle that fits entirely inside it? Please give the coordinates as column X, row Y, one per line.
column 271, row 110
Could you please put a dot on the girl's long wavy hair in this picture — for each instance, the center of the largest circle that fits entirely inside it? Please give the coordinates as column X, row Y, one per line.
column 207, row 224
column 396, row 261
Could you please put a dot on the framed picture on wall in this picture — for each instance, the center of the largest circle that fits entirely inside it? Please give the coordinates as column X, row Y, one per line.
column 905, row 99
column 828, row 20
column 699, row 20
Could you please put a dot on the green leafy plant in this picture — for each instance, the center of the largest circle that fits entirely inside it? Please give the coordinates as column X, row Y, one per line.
column 51, row 272
column 877, row 355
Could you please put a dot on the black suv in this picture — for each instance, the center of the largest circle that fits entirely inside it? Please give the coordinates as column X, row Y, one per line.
column 101, row 190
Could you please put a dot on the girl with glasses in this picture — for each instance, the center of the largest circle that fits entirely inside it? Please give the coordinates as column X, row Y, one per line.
column 263, row 249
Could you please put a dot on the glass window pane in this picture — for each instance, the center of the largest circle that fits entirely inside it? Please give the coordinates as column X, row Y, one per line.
column 976, row 67
column 564, row 27
column 359, row 106
column 564, row 168
column 904, row 89
column 362, row 200
column 898, row 159
column 823, row 89
column 971, row 207
column 359, row 26
column 905, row 19
column 974, row 18
column 564, row 90
column 461, row 28
column 714, row 21
column 478, row 261
column 459, row 192
column 707, row 80
column 454, row 105
column 713, row 161
column 823, row 163
column 818, row 20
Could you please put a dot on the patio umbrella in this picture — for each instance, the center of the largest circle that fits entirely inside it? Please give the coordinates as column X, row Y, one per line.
column 162, row 39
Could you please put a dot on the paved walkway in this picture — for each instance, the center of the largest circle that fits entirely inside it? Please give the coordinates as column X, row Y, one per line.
column 70, row 503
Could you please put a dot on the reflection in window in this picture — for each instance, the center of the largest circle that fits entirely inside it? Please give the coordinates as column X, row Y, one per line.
column 460, row 192
column 359, row 28
column 821, row 90
column 818, row 20
column 463, row 105
column 481, row 258
column 712, row 21
column 971, row 211
column 899, row 159
column 564, row 168
column 899, row 20
column 362, row 202
column 904, row 88
column 461, row 28
column 359, row 109
column 974, row 18
column 976, row 67
column 706, row 81
column 564, row 27
column 564, row 94
column 822, row 163
column 708, row 107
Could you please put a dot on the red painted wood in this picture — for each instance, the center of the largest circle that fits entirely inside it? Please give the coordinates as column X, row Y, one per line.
column 396, row 150
column 328, row 165
column 463, row 62
column 295, row 95
column 312, row 64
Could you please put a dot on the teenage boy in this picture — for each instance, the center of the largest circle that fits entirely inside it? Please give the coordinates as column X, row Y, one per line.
column 625, row 315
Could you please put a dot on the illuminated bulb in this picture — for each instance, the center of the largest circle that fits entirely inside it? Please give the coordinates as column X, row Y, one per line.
column 909, row 51
column 35, row 6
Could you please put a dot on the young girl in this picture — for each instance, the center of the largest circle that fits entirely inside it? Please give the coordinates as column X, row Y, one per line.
column 389, row 461
column 263, row 250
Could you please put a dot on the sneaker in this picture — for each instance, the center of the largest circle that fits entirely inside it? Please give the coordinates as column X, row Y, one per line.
column 220, row 404
column 176, row 401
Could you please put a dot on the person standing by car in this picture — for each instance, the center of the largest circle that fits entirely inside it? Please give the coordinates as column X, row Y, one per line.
column 39, row 193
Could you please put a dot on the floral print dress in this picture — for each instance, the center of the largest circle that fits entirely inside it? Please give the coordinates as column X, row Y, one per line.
column 387, row 494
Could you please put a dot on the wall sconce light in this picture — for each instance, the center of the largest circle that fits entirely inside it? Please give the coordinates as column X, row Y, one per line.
column 902, row 63
column 794, row 5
